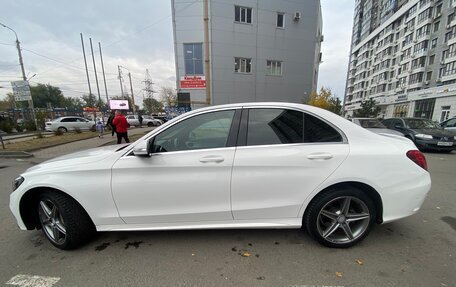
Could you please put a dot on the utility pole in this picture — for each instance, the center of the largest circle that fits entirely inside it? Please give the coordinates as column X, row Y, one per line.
column 85, row 62
column 120, row 79
column 24, row 77
column 95, row 70
column 132, row 95
column 207, row 63
column 104, row 77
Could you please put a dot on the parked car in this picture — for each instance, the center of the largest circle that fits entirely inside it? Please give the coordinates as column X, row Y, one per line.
column 449, row 125
column 65, row 124
column 249, row 165
column 162, row 118
column 375, row 126
column 424, row 133
column 133, row 120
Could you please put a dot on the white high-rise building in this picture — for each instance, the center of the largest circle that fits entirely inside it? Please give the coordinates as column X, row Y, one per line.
column 403, row 55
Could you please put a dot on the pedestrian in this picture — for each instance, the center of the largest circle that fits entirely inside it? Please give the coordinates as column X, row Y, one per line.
column 113, row 127
column 140, row 118
column 100, row 128
column 121, row 127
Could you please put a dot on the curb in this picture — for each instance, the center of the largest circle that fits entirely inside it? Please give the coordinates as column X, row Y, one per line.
column 15, row 154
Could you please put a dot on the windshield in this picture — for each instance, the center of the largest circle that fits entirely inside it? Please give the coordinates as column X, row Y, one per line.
column 421, row 124
column 371, row 124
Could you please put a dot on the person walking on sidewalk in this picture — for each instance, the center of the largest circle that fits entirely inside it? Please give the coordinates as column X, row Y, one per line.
column 100, row 128
column 109, row 123
column 140, row 118
column 121, row 127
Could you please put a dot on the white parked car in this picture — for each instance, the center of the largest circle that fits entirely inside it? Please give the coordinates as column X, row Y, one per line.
column 133, row 120
column 65, row 124
column 252, row 165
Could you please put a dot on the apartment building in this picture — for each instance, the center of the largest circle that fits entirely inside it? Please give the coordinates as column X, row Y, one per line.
column 403, row 55
column 229, row 51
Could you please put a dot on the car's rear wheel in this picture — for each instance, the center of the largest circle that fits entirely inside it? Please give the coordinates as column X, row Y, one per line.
column 340, row 218
column 150, row 124
column 64, row 222
column 62, row 129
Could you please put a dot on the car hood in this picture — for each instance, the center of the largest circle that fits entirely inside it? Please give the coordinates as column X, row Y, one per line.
column 76, row 159
column 433, row 132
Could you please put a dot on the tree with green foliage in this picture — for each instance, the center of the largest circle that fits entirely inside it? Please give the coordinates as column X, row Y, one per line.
column 369, row 109
column 152, row 106
column 47, row 95
column 325, row 100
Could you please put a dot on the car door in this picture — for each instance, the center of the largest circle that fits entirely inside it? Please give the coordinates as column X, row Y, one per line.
column 187, row 178
column 282, row 156
column 82, row 124
column 450, row 125
column 132, row 120
column 69, row 123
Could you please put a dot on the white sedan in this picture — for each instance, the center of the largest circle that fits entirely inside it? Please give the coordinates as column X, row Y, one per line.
column 65, row 124
column 252, row 165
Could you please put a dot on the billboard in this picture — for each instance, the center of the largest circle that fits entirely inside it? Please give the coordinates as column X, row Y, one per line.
column 193, row 82
column 118, row 105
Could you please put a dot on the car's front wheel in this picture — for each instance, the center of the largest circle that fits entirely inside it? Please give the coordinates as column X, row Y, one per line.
column 64, row 222
column 340, row 218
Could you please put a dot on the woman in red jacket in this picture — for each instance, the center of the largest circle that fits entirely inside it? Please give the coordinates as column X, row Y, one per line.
column 121, row 127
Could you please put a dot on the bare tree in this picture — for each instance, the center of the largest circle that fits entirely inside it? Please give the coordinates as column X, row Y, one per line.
column 168, row 96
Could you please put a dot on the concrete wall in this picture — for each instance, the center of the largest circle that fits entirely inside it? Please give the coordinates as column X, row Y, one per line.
column 297, row 46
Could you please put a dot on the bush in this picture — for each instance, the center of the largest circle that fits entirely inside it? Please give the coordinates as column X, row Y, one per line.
column 6, row 125
column 30, row 125
column 58, row 132
column 77, row 130
column 19, row 128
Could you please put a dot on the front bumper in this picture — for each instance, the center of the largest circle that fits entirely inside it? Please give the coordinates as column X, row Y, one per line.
column 435, row 144
column 14, row 207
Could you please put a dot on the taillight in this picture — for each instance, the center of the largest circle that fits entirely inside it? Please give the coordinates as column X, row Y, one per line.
column 417, row 157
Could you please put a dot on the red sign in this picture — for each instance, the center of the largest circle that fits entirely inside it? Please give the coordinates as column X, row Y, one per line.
column 193, row 82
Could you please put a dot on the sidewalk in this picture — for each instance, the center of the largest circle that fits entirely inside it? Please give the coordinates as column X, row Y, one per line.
column 63, row 149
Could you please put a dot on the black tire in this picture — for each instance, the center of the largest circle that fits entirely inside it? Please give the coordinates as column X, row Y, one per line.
column 335, row 219
column 150, row 124
column 62, row 129
column 76, row 223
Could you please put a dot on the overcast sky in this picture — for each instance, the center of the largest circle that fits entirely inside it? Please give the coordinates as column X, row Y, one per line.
column 134, row 34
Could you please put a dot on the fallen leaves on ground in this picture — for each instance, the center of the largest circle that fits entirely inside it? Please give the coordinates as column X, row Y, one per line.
column 339, row 274
column 359, row 261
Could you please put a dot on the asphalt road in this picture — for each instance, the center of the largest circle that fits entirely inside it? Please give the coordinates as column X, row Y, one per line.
column 416, row 251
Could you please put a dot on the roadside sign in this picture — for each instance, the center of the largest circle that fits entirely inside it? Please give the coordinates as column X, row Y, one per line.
column 193, row 82
column 21, row 91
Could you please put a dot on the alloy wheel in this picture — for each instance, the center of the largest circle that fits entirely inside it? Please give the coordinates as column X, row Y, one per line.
column 343, row 219
column 52, row 221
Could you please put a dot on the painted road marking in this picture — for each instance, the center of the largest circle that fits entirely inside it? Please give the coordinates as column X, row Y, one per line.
column 32, row 281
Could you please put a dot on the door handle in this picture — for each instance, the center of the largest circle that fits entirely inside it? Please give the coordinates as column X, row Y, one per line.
column 211, row 158
column 323, row 156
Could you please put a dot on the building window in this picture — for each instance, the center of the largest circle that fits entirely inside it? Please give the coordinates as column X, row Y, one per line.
column 424, row 108
column 242, row 65
column 243, row 14
column 193, row 58
column 434, row 43
column 428, row 76
column 274, row 68
column 280, row 20
column 400, row 110
column 445, row 114
column 436, row 26
column 431, row 59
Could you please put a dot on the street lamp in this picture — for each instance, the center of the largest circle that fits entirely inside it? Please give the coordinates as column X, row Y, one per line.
column 24, row 77
column 131, row 86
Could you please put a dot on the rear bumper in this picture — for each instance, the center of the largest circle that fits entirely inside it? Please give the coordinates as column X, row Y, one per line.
column 407, row 199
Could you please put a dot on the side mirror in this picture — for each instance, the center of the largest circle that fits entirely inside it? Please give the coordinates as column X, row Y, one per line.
column 142, row 149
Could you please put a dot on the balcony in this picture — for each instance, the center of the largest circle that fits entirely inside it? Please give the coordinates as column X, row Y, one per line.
column 449, row 77
column 424, row 22
column 450, row 58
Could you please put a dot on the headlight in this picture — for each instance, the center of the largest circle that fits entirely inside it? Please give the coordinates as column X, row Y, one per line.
column 423, row 136
column 17, row 182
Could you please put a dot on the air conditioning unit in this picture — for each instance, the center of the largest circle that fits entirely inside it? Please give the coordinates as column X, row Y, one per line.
column 438, row 80
column 438, row 15
column 415, row 41
column 426, row 83
column 398, row 28
column 412, row 56
column 297, row 16
column 442, row 63
column 448, row 26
